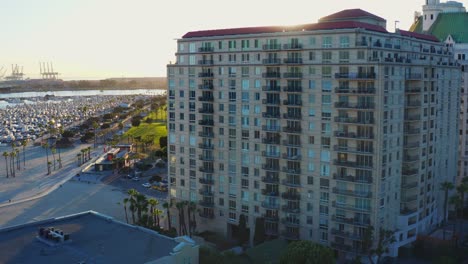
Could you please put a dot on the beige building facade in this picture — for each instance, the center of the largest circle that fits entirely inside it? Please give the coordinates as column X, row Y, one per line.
column 323, row 130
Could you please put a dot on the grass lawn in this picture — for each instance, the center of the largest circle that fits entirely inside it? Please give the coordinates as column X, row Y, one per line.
column 145, row 129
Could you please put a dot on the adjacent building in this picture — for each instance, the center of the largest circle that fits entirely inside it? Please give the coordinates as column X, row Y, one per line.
column 323, row 129
column 448, row 22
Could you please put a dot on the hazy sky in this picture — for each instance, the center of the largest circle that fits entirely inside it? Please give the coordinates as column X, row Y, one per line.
column 114, row 38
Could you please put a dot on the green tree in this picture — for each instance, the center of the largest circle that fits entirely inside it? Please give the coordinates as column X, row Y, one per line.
column 385, row 238
column 46, row 147
column 456, row 201
column 125, row 202
column 153, row 203
column 259, row 234
column 167, row 206
column 24, row 144
column 446, row 187
column 142, row 208
column 12, row 163
column 132, row 193
column 306, row 252
column 243, row 233
column 5, row 155
column 95, row 126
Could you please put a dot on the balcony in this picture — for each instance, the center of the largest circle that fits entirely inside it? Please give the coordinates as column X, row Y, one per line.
column 205, row 62
column 409, row 185
column 206, row 98
column 292, row 170
column 412, row 131
column 206, row 169
column 350, row 221
column 206, row 181
column 291, row 209
column 355, row 76
column 410, row 158
column 205, row 157
column 290, row 235
column 290, row 183
column 271, row 218
column 270, row 180
column 207, row 86
column 292, row 102
column 293, row 61
column 410, row 145
column 352, row 193
column 413, row 89
column 360, row 106
column 291, row 46
column 271, row 140
column 206, row 193
column 271, row 128
column 272, row 193
column 271, row 115
column 295, row 116
column 205, row 110
column 207, row 215
column 353, row 150
column 206, row 122
column 354, row 120
column 412, row 104
column 350, row 178
column 292, row 143
column 206, row 75
column 290, row 222
column 291, row 196
column 206, row 203
column 273, row 75
column 352, row 164
column 409, row 199
column 412, row 118
column 206, row 49
column 362, row 44
column 271, row 154
column 408, row 211
column 292, row 75
column 343, row 134
column 205, row 146
column 269, row 167
column 272, row 47
column 271, row 88
column 206, row 134
column 291, row 157
column 271, row 102
column 288, row 129
column 346, row 234
column 409, row 172
column 343, row 90
column 413, row 76
column 268, row 205
column 271, row 61
column 293, row 89
column 351, row 207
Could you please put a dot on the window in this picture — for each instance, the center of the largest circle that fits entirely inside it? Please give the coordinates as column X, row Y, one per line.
column 344, row 41
column 327, row 42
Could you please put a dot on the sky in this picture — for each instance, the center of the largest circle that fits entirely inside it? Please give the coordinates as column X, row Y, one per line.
column 93, row 39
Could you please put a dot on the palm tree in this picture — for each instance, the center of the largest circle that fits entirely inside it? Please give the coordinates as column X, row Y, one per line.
column 12, row 164
column 456, row 202
column 5, row 155
column 24, row 144
column 167, row 206
column 46, row 147
column 156, row 214
column 53, row 150
column 95, row 126
column 142, row 207
column 193, row 221
column 153, row 203
column 18, row 161
column 132, row 193
column 89, row 152
column 462, row 189
column 446, row 187
column 125, row 201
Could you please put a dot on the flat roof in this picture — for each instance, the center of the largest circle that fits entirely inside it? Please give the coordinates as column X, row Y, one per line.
column 95, row 238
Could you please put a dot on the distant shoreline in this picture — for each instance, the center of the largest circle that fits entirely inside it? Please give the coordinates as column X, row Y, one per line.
column 56, row 89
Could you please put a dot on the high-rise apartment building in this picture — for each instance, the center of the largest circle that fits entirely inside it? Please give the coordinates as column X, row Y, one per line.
column 321, row 129
column 448, row 22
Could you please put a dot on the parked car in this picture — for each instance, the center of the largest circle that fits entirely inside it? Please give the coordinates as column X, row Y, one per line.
column 135, row 179
column 146, row 185
column 159, row 186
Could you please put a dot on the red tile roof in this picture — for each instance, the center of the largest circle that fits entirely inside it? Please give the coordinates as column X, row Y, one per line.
column 418, row 35
column 350, row 13
column 277, row 29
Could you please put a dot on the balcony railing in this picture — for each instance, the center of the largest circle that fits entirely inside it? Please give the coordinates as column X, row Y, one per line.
column 413, row 76
column 271, row 75
column 353, row 150
column 206, row 181
column 271, row 47
column 205, row 192
column 268, row 205
column 273, row 88
column 350, row 178
column 292, row 143
column 354, row 75
column 270, row 167
column 271, row 102
column 291, row 75
column 271, row 128
column 410, row 118
column 206, row 169
column 271, row 154
column 208, row 215
column 271, row 61
column 270, row 180
column 206, row 203
column 410, row 158
column 346, row 234
column 205, row 110
column 205, row 146
column 206, row 122
column 206, row 49
column 413, row 104
column 410, row 198
column 343, row 134
column 292, row 46
column 355, row 90
column 271, row 140
column 292, row 129
column 410, row 145
column 412, row 131
column 290, row 183
column 291, row 196
column 295, row 116
column 292, row 102
column 410, row 172
column 352, row 164
column 292, row 170
column 352, row 193
column 208, row 86
column 205, row 62
column 267, row 192
column 206, row 75
column 351, row 207
column 291, row 209
column 409, row 185
column 350, row 221
column 413, row 89
column 363, row 106
column 205, row 157
column 206, row 134
column 293, row 60
column 354, row 120
column 291, row 222
column 206, row 98
column 271, row 115
column 291, row 157
column 293, row 89
column 271, row 218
